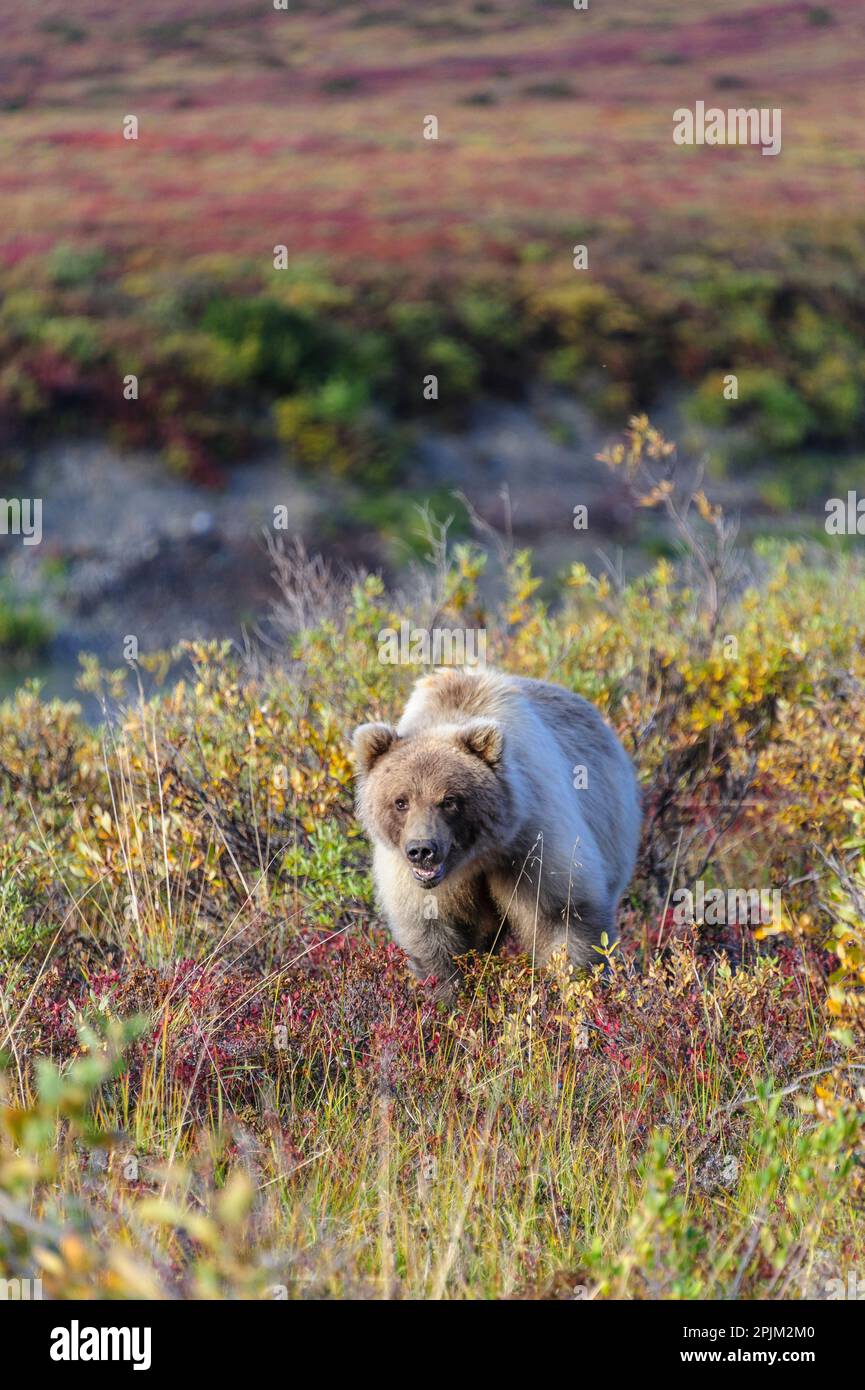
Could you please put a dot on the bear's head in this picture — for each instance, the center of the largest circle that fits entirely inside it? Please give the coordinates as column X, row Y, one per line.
column 440, row 798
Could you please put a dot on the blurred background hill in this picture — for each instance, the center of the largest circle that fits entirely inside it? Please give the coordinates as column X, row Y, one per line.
column 302, row 387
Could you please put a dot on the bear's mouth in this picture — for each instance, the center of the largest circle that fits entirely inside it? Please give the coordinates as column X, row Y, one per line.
column 431, row 877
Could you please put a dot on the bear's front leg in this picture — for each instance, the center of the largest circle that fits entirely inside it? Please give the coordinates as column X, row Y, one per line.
column 546, row 916
column 588, row 930
column 435, row 956
column 434, row 926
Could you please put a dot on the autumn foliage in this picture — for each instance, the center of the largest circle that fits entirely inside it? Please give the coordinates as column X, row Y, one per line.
column 219, row 1074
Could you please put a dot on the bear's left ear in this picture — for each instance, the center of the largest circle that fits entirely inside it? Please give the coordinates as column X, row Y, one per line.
column 371, row 742
column 485, row 739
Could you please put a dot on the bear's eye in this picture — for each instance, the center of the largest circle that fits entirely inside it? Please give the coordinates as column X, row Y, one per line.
column 401, row 804
column 450, row 805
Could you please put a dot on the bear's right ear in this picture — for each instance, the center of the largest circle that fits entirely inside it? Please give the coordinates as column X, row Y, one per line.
column 370, row 742
column 483, row 738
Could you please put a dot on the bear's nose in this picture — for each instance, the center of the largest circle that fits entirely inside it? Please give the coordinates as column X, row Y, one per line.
column 422, row 853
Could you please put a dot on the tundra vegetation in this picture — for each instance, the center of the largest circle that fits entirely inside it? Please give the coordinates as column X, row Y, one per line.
column 404, row 256
column 219, row 1078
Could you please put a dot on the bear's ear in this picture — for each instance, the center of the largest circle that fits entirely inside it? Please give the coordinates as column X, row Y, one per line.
column 484, row 739
column 370, row 742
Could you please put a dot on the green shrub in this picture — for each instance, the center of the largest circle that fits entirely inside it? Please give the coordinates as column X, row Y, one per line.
column 24, row 629
column 71, row 267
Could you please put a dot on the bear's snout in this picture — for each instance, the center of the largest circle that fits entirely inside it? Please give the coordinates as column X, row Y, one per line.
column 426, row 858
column 423, row 853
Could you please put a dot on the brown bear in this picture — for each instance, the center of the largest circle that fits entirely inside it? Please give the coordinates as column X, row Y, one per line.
column 497, row 800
